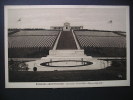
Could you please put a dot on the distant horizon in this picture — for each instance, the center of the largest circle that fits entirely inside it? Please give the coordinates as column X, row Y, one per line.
column 57, row 30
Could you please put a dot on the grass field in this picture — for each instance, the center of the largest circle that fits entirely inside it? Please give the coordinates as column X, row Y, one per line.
column 115, row 72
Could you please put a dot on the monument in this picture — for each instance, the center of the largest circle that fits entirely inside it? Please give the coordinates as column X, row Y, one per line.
column 66, row 44
column 66, row 27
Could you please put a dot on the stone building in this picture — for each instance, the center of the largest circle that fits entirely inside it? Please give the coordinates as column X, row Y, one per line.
column 66, row 27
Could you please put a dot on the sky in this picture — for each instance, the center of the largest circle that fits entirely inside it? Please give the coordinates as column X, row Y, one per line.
column 90, row 18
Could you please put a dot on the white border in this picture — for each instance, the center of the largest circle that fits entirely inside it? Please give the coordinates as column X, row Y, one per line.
column 65, row 84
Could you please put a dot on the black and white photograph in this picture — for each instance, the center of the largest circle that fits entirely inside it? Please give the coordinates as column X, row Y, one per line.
column 62, row 46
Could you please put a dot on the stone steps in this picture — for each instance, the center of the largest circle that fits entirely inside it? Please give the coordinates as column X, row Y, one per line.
column 66, row 53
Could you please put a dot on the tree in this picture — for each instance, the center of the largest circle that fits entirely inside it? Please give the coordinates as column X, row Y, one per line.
column 23, row 66
column 17, row 66
column 13, row 65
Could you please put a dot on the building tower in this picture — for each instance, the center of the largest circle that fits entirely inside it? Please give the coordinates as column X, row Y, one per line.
column 66, row 27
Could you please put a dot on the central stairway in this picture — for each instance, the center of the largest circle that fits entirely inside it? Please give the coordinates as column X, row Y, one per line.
column 66, row 46
column 66, row 41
